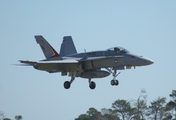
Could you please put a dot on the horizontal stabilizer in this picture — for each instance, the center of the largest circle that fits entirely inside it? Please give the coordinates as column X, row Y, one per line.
column 22, row 64
column 28, row 62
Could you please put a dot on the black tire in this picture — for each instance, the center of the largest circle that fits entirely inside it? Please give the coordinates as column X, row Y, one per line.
column 67, row 84
column 92, row 85
column 116, row 82
column 112, row 82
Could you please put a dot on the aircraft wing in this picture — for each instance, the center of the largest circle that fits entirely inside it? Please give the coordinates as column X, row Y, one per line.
column 48, row 62
column 55, row 65
column 65, row 65
column 68, row 61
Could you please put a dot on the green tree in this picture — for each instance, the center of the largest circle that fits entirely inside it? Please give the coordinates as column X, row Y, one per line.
column 93, row 113
column 157, row 109
column 18, row 117
column 109, row 114
column 171, row 105
column 6, row 119
column 83, row 117
column 141, row 106
column 123, row 109
column 2, row 116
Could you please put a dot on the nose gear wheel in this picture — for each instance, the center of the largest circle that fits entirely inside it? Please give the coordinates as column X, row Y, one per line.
column 114, row 81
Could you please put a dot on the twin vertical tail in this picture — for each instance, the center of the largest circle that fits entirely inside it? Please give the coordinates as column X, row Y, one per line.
column 47, row 49
column 67, row 46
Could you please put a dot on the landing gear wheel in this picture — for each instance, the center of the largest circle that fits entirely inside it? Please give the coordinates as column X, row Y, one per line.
column 67, row 84
column 114, row 82
column 92, row 85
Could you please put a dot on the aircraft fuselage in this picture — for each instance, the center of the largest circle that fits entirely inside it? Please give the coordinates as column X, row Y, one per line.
column 86, row 65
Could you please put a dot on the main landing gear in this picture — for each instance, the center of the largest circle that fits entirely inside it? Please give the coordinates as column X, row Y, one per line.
column 67, row 84
column 92, row 84
column 114, row 81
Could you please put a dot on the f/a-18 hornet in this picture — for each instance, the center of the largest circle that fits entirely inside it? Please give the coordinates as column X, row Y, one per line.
column 86, row 65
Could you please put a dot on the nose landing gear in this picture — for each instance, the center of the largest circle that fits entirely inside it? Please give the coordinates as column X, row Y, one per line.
column 67, row 84
column 114, row 81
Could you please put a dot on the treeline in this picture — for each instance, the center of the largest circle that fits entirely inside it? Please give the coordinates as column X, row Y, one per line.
column 3, row 117
column 138, row 109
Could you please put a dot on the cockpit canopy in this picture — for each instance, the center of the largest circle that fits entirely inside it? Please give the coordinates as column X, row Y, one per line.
column 118, row 49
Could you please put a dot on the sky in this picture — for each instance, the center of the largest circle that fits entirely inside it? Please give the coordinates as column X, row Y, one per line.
column 145, row 28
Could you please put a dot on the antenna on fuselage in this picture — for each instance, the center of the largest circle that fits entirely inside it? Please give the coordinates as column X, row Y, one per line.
column 84, row 50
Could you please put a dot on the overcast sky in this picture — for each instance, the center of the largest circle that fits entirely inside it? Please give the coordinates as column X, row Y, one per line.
column 146, row 28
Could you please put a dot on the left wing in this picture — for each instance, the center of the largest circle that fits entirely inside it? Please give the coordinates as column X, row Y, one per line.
column 55, row 65
column 66, row 65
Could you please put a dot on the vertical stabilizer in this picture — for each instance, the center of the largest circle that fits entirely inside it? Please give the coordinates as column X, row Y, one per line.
column 47, row 49
column 67, row 46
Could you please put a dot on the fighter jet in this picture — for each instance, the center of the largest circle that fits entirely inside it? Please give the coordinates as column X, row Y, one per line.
column 89, row 65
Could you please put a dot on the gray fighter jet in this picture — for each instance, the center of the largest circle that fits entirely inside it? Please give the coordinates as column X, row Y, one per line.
column 86, row 65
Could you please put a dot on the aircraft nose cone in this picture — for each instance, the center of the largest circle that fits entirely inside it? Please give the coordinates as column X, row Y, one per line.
column 150, row 62
column 147, row 61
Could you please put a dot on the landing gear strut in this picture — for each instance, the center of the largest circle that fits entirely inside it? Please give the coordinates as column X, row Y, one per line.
column 114, row 81
column 67, row 84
